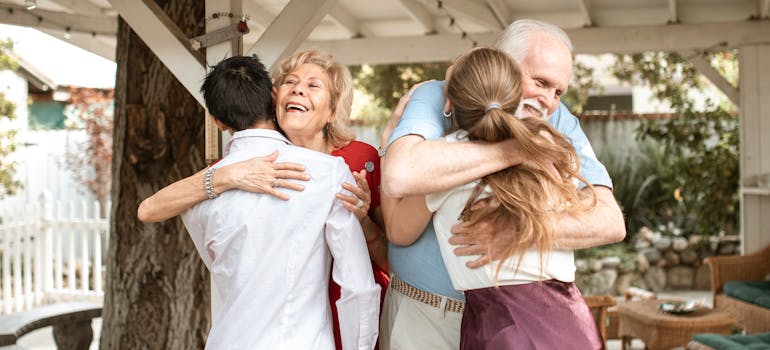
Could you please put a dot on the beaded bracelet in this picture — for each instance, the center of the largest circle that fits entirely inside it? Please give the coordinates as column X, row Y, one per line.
column 208, row 176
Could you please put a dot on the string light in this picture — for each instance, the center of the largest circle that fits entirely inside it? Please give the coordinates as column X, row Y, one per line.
column 31, row 5
column 453, row 23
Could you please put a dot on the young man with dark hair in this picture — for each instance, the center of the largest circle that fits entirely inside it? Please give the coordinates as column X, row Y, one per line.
column 269, row 258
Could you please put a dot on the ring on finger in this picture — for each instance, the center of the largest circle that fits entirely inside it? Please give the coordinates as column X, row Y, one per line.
column 275, row 184
column 360, row 203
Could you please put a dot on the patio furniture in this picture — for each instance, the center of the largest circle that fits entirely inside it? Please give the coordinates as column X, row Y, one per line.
column 599, row 305
column 632, row 293
column 659, row 330
column 729, row 342
column 71, row 324
column 740, row 288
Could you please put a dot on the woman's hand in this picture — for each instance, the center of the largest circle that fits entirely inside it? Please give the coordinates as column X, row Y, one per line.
column 263, row 175
column 362, row 198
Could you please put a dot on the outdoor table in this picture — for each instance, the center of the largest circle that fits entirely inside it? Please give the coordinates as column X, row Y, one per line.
column 659, row 330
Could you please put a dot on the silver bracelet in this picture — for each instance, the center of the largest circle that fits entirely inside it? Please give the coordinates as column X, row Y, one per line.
column 208, row 176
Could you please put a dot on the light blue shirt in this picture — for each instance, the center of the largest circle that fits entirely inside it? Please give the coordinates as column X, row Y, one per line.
column 420, row 264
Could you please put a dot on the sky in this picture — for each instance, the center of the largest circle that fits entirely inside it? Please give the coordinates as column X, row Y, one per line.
column 64, row 63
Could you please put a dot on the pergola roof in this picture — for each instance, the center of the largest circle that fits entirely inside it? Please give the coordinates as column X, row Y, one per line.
column 394, row 31
column 387, row 31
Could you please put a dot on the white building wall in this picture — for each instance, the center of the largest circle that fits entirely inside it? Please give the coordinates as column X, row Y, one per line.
column 15, row 89
column 41, row 167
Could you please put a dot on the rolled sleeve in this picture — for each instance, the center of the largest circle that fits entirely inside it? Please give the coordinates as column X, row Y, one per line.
column 359, row 303
column 423, row 114
column 590, row 167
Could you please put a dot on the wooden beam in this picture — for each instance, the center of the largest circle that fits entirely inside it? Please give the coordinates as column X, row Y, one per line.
column 283, row 36
column 145, row 20
column 18, row 15
column 345, row 20
column 80, row 7
column 99, row 45
column 424, row 48
column 668, row 38
column 475, row 12
column 594, row 40
column 501, row 11
column 419, row 14
column 257, row 13
column 673, row 17
column 585, row 12
column 705, row 68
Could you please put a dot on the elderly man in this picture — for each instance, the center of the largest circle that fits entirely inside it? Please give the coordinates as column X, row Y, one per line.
column 422, row 310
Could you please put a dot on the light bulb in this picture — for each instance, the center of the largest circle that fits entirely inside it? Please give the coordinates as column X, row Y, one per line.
column 30, row 4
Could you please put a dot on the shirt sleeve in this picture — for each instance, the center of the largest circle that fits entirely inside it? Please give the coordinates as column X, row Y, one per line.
column 423, row 114
column 359, row 303
column 195, row 221
column 590, row 167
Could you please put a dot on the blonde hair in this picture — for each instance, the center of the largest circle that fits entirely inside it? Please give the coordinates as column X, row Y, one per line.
column 337, row 133
column 484, row 89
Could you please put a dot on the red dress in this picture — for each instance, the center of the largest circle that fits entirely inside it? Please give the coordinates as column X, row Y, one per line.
column 357, row 155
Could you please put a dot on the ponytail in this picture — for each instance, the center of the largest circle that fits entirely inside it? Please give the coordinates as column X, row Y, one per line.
column 523, row 197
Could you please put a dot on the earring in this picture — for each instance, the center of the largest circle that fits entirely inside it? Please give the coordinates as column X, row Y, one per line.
column 447, row 114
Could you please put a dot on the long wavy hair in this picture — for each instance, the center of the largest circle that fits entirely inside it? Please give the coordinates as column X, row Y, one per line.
column 484, row 88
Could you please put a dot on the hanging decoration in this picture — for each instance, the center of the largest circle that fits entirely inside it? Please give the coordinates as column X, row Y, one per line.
column 222, row 34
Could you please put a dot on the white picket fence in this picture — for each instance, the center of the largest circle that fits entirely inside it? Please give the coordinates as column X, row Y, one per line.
column 51, row 250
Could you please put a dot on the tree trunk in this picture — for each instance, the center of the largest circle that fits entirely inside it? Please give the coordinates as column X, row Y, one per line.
column 157, row 288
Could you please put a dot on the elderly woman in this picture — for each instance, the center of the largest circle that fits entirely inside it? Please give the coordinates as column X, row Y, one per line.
column 312, row 95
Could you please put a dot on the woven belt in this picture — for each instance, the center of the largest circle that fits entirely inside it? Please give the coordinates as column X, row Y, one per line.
column 424, row 297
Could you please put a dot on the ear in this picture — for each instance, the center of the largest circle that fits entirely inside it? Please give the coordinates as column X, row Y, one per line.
column 448, row 105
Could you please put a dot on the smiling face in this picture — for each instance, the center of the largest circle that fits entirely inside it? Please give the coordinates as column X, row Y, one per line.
column 303, row 105
column 546, row 70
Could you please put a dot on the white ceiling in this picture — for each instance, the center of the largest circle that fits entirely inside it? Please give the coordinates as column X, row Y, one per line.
column 380, row 31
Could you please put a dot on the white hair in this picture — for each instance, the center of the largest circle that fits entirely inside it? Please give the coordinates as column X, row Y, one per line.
column 515, row 39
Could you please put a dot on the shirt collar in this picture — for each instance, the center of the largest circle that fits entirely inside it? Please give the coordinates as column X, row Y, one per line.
column 265, row 133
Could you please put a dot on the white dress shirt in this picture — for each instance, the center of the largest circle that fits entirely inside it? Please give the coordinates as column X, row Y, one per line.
column 270, row 259
column 447, row 206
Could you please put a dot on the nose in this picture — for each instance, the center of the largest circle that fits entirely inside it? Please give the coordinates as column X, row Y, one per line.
column 548, row 98
column 297, row 90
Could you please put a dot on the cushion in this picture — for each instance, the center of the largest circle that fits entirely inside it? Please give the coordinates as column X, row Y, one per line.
column 734, row 342
column 754, row 292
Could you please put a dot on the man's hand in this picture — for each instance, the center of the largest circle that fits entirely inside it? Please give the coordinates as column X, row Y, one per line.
column 479, row 239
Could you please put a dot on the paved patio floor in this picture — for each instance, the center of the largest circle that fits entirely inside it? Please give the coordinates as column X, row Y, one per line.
column 42, row 339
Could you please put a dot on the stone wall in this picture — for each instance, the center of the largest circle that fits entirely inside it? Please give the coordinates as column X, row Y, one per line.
column 659, row 262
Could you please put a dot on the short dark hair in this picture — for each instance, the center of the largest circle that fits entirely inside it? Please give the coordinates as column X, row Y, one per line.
column 238, row 92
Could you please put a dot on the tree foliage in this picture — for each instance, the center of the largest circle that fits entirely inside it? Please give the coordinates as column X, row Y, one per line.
column 8, row 185
column 386, row 83
column 700, row 183
column 581, row 86
column 91, row 161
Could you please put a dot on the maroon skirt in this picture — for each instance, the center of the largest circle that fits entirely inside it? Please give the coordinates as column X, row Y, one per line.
column 546, row 315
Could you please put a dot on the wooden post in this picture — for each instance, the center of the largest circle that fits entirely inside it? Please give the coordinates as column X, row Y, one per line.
column 755, row 146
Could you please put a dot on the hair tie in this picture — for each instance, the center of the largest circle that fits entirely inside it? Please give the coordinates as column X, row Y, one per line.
column 491, row 106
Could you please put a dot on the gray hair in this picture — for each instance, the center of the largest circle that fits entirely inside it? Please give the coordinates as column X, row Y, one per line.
column 514, row 40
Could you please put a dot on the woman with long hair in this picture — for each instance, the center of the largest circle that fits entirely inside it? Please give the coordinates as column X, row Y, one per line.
column 527, row 299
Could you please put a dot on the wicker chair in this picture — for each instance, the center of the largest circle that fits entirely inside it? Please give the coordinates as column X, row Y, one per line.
column 598, row 305
column 750, row 267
